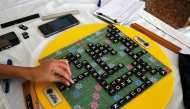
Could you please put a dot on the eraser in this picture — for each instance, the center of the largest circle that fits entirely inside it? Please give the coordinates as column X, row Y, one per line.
column 53, row 16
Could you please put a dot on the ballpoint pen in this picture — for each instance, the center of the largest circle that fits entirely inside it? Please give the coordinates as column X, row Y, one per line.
column 106, row 18
column 99, row 3
column 7, row 81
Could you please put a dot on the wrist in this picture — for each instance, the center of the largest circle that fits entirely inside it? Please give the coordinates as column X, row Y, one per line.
column 30, row 75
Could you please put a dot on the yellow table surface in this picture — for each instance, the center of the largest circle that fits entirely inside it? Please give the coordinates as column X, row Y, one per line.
column 155, row 97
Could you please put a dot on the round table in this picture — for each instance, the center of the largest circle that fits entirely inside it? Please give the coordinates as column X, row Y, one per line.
column 155, row 97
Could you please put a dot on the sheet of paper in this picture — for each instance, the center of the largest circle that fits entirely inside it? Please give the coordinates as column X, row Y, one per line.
column 3, row 100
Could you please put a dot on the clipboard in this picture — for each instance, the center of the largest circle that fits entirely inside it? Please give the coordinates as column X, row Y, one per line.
column 119, row 11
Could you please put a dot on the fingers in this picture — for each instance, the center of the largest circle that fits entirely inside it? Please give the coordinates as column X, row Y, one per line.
column 61, row 67
column 64, row 70
column 65, row 65
column 61, row 79
column 65, row 75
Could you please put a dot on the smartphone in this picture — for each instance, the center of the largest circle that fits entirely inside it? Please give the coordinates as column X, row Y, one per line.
column 58, row 25
column 8, row 40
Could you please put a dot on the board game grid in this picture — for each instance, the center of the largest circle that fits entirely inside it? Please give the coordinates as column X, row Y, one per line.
column 109, row 70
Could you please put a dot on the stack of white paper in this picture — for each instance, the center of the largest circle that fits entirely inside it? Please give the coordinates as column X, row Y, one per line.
column 3, row 100
column 120, row 11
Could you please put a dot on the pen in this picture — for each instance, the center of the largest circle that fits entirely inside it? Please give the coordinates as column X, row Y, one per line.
column 99, row 3
column 106, row 19
column 7, row 81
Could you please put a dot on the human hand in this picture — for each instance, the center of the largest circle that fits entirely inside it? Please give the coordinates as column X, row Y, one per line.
column 47, row 72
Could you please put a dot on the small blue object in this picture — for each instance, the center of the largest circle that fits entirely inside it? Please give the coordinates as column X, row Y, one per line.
column 9, row 62
column 99, row 3
column 7, row 85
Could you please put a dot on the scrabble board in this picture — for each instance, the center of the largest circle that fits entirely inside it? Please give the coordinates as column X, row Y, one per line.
column 109, row 68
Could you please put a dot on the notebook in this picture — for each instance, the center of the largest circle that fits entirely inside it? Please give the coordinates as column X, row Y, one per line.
column 120, row 11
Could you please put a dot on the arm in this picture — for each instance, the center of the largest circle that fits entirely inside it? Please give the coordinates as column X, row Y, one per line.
column 43, row 73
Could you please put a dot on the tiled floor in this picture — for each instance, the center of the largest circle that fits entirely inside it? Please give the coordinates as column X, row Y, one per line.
column 173, row 12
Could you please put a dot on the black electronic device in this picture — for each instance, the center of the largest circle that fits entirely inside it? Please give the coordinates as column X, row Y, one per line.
column 20, row 20
column 58, row 25
column 8, row 40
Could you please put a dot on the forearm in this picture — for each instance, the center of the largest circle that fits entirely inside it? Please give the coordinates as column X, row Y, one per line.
column 43, row 73
column 9, row 72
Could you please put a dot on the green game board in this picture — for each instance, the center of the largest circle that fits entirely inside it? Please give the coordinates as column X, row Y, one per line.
column 109, row 70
